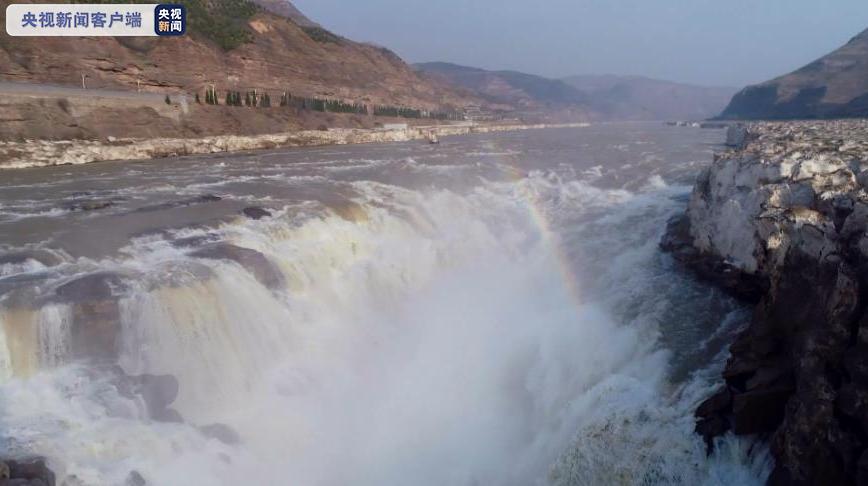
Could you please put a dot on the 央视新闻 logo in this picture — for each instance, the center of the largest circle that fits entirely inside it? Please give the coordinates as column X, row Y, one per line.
column 170, row 20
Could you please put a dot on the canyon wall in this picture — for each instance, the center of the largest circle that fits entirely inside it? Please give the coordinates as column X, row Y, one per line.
column 781, row 220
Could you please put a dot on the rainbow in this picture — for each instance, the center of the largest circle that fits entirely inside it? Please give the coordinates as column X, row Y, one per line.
column 535, row 208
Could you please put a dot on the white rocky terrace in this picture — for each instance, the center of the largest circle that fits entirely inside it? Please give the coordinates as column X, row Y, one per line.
column 791, row 184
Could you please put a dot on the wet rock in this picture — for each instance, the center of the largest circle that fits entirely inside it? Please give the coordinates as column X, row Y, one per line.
column 203, row 199
column 72, row 480
column 26, row 472
column 349, row 210
column 221, row 432
column 862, row 469
column 677, row 237
column 711, row 427
column 736, row 136
column 96, row 286
column 720, row 402
column 14, row 258
column 158, row 390
column 95, row 330
column 24, row 482
column 89, row 205
column 852, row 402
column 45, row 257
column 759, row 411
column 770, row 376
column 256, row 263
column 194, row 241
column 714, row 125
column 712, row 416
column 856, row 363
column 95, row 314
column 256, row 213
column 158, row 393
column 135, row 479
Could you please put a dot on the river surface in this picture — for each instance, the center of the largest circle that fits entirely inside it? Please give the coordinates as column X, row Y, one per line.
column 493, row 310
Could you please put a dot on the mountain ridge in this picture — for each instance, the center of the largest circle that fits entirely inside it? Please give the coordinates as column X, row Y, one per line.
column 833, row 86
column 633, row 97
column 599, row 97
column 505, row 86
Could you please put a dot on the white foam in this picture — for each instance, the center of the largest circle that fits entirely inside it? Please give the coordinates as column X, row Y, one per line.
column 433, row 338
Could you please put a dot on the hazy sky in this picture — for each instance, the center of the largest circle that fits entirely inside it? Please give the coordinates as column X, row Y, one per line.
column 711, row 42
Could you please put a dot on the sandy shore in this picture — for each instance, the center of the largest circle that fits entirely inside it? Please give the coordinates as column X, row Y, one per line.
column 46, row 153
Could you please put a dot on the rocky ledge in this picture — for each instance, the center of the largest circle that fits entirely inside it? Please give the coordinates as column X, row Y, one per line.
column 780, row 220
column 46, row 153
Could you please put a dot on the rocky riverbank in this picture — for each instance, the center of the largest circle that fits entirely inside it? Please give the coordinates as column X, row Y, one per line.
column 44, row 153
column 781, row 220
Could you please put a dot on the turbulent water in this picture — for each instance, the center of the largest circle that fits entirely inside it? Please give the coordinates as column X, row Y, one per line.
column 490, row 311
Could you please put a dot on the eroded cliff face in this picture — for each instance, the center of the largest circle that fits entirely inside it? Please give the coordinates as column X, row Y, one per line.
column 782, row 221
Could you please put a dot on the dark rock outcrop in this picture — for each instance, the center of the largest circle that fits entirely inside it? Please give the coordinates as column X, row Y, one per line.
column 135, row 479
column 782, row 222
column 88, row 204
column 157, row 392
column 221, row 432
column 182, row 203
column 256, row 213
column 26, row 472
column 256, row 263
column 95, row 314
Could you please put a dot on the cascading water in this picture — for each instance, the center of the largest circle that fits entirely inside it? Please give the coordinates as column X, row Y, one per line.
column 492, row 311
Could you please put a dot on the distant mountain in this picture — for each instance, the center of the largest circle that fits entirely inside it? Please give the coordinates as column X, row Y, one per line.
column 640, row 98
column 508, row 88
column 834, row 86
column 603, row 97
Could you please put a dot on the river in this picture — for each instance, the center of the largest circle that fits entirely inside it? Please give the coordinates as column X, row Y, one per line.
column 492, row 310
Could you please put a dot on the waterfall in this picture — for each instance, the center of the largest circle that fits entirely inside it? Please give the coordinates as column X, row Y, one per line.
column 507, row 334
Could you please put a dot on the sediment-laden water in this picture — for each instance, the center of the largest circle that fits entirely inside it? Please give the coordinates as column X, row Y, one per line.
column 493, row 310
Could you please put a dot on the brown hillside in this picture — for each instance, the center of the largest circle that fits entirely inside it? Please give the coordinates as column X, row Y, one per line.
column 279, row 55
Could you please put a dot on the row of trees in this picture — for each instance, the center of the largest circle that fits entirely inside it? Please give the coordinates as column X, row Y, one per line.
column 323, row 105
column 263, row 100
column 401, row 112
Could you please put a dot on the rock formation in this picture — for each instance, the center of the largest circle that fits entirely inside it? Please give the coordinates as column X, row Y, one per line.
column 836, row 85
column 781, row 220
column 26, row 472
